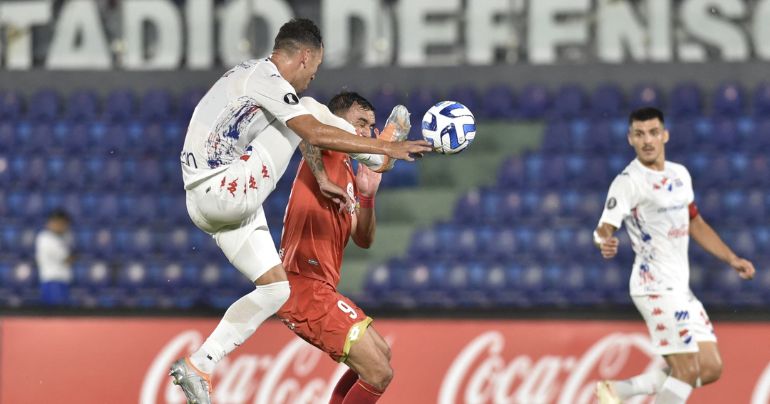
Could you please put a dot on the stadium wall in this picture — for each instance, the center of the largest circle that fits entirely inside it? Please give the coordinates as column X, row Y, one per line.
column 708, row 76
column 108, row 360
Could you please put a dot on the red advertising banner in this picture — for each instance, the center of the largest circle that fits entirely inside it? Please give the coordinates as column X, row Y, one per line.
column 110, row 361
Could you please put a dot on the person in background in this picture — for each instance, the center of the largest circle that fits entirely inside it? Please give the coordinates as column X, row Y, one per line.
column 53, row 254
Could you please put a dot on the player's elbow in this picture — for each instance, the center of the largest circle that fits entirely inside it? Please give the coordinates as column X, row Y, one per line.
column 363, row 242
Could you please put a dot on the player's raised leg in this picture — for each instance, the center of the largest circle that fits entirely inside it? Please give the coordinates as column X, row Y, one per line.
column 257, row 259
column 371, row 362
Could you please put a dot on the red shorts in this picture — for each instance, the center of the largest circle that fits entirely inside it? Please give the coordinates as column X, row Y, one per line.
column 322, row 316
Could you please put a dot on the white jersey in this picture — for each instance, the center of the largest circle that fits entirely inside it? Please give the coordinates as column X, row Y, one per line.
column 229, row 122
column 52, row 252
column 655, row 208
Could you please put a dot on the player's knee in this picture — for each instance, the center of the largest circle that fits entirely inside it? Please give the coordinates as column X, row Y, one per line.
column 382, row 377
column 710, row 373
column 277, row 294
column 686, row 372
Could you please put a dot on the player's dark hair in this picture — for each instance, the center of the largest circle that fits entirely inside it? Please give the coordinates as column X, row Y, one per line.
column 645, row 114
column 344, row 100
column 59, row 214
column 296, row 33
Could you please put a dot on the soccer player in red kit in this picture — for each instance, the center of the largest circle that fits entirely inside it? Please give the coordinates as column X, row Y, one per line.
column 314, row 237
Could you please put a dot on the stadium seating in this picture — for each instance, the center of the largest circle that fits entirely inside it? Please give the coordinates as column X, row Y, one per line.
column 524, row 240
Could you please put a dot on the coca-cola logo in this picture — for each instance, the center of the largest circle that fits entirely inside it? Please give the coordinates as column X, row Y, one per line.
column 480, row 374
column 289, row 376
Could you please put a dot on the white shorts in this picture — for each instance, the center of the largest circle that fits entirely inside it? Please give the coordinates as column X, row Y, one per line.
column 676, row 322
column 229, row 207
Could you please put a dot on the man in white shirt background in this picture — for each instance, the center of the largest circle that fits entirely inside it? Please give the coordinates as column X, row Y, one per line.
column 53, row 254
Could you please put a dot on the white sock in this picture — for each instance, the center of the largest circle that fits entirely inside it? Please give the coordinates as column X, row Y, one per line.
column 674, row 391
column 240, row 321
column 645, row 383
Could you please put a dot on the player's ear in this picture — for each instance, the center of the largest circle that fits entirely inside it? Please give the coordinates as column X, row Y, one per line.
column 665, row 136
column 306, row 56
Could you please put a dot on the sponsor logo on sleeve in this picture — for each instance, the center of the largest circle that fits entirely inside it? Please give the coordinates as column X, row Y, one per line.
column 291, row 99
column 611, row 203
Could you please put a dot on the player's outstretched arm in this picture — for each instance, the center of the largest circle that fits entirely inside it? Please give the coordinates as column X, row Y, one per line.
column 707, row 238
column 329, row 137
column 330, row 190
column 605, row 240
column 364, row 221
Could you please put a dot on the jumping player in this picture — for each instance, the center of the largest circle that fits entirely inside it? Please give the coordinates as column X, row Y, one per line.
column 238, row 144
column 654, row 197
column 313, row 241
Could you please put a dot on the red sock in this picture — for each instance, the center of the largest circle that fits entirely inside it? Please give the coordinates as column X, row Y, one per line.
column 362, row 393
column 343, row 386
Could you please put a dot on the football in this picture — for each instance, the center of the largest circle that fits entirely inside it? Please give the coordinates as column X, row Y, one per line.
column 449, row 126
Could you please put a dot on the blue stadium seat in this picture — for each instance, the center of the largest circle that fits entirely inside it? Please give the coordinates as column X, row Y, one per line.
column 499, row 102
column 759, row 142
column 467, row 208
column 511, row 208
column 7, row 135
column 173, row 135
column 379, row 280
column 511, row 173
column 513, row 293
column 555, row 173
column 82, row 105
column 11, row 106
column 534, row 101
column 502, row 245
column 646, row 95
column 599, row 139
column 607, row 101
column 556, row 138
column 729, row 100
column 686, row 100
column 156, row 105
column 119, row 106
column 569, row 102
column 44, row 106
column 107, row 209
column 761, row 100
column 38, row 140
column 468, row 96
column 149, row 175
column 29, row 173
column 92, row 275
column 72, row 139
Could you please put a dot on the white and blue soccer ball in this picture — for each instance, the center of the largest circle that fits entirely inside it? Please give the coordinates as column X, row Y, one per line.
column 449, row 126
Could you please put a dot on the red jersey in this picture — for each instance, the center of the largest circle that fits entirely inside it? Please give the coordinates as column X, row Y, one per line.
column 315, row 232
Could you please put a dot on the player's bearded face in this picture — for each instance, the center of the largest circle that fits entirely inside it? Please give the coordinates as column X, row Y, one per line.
column 648, row 138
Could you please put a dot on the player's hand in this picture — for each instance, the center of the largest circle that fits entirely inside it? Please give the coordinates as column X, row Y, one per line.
column 408, row 150
column 367, row 181
column 609, row 247
column 744, row 267
column 336, row 194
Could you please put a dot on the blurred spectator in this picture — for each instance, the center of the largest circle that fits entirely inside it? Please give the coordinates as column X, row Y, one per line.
column 53, row 253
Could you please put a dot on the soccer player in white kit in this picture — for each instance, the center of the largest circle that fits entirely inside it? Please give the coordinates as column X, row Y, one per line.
column 240, row 140
column 654, row 198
